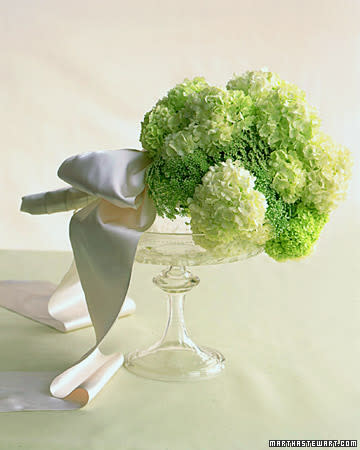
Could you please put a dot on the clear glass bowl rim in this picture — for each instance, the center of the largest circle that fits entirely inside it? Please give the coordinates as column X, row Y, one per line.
column 160, row 233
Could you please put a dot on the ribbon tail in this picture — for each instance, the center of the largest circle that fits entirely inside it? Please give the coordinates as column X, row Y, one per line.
column 68, row 307
column 104, row 238
column 62, row 307
column 83, row 381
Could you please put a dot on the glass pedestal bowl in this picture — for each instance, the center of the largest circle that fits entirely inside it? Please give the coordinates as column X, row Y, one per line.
column 176, row 357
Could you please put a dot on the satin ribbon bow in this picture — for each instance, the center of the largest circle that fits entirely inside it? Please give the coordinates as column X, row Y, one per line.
column 110, row 188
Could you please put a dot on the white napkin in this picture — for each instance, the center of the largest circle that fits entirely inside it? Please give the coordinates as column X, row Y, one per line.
column 104, row 236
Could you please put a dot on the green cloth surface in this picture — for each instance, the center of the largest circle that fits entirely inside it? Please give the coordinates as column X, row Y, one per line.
column 289, row 332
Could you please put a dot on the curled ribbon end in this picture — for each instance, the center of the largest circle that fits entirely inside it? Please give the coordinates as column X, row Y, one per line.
column 79, row 396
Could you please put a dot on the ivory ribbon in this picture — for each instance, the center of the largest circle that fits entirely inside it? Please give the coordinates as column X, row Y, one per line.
column 104, row 237
column 62, row 307
column 60, row 200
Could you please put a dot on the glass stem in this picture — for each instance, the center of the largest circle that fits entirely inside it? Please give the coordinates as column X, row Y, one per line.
column 175, row 331
column 176, row 281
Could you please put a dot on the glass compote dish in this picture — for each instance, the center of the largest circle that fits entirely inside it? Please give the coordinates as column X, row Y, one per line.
column 176, row 357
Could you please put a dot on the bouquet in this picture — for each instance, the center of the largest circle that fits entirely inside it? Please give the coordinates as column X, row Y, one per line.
column 246, row 164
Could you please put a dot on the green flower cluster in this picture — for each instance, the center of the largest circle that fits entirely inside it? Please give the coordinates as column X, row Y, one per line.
column 298, row 238
column 284, row 118
column 248, row 162
column 194, row 117
column 237, row 210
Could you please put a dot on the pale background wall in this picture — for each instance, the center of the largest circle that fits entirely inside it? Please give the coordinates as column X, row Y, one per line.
column 79, row 75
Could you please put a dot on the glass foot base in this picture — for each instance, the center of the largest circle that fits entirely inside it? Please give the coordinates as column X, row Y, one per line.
column 175, row 357
column 176, row 364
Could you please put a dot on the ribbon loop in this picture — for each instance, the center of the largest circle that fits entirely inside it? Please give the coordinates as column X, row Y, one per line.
column 117, row 176
column 104, row 236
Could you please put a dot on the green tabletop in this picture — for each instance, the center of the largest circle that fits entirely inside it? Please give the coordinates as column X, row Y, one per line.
column 290, row 334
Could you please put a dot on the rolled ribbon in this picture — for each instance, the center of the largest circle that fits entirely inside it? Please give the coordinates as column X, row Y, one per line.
column 104, row 237
column 60, row 200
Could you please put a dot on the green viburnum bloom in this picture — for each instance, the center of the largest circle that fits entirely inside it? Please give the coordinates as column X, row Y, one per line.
column 167, row 116
column 185, row 133
column 245, row 163
column 194, row 117
column 319, row 174
column 288, row 175
column 328, row 168
column 284, row 118
column 226, row 207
